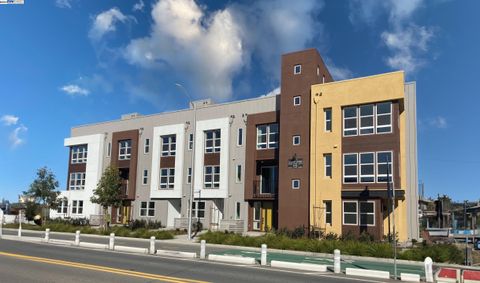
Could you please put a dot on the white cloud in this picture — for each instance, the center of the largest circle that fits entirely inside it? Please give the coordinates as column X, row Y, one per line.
column 75, row 90
column 274, row 91
column 338, row 73
column 15, row 139
column 138, row 6
column 105, row 22
column 9, row 120
column 63, row 3
column 438, row 122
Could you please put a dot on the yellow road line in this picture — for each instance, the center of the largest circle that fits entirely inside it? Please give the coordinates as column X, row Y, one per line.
column 102, row 268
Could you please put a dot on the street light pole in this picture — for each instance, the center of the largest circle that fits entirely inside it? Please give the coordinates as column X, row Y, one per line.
column 391, row 186
column 192, row 182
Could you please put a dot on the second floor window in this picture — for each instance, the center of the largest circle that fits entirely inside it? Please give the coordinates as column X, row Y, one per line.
column 167, row 178
column 267, row 136
column 169, row 145
column 124, row 149
column 77, row 207
column 79, row 154
column 212, row 141
column 368, row 167
column 350, row 121
column 328, row 119
column 77, row 181
column 212, row 177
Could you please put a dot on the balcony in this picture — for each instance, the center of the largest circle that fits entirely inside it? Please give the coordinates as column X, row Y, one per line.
column 267, row 192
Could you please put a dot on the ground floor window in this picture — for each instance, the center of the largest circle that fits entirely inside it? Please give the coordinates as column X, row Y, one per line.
column 77, row 207
column 147, row 208
column 198, row 206
column 63, row 207
column 359, row 212
column 167, row 178
column 328, row 212
column 238, row 210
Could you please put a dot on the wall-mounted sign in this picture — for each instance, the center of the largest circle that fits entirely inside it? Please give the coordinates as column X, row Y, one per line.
column 295, row 162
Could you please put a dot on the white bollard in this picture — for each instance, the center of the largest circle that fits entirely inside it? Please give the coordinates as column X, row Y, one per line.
column 20, row 224
column 77, row 238
column 263, row 257
column 428, row 269
column 111, row 242
column 47, row 234
column 202, row 249
column 152, row 245
column 336, row 261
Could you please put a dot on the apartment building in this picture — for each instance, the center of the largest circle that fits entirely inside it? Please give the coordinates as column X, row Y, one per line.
column 258, row 163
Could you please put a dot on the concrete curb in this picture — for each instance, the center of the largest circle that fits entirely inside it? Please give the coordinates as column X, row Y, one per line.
column 176, row 254
column 22, row 239
column 409, row 277
column 59, row 242
column 93, row 246
column 232, row 259
column 131, row 249
column 367, row 273
column 299, row 266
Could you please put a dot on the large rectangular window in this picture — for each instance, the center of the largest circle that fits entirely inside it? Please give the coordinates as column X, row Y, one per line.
column 350, row 213
column 350, row 168
column 267, row 136
column 367, row 167
column 124, row 149
column 366, row 119
column 328, row 211
column 169, row 145
column 350, row 121
column 198, row 207
column 211, row 177
column 77, row 207
column 384, row 167
column 384, row 117
column 147, row 208
column 77, row 181
column 212, row 141
column 367, row 213
column 327, row 159
column 167, row 178
column 328, row 119
column 79, row 154
column 240, row 137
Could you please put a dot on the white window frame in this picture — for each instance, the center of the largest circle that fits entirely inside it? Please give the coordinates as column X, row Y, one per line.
column 327, row 120
column 372, row 116
column 367, row 213
column 145, row 177
column 240, row 137
column 295, row 184
column 216, row 136
column 296, row 142
column 350, row 118
column 77, row 209
column 79, row 154
column 190, row 142
column 126, row 146
column 170, row 178
column 148, row 210
column 384, row 163
column 327, row 212
column 360, row 164
column 189, row 175
column 326, row 165
column 62, row 207
column 238, row 210
column 78, row 179
column 384, row 114
column 351, row 213
column 238, row 173
column 267, row 144
column 194, row 209
column 146, row 146
column 212, row 184
column 171, row 145
column 349, row 176
column 297, row 100
column 297, row 69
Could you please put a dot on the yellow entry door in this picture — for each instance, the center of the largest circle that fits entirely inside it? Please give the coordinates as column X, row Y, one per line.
column 267, row 208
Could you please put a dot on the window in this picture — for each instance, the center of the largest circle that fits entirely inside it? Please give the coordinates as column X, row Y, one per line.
column 212, row 141
column 198, row 206
column 147, row 208
column 63, row 207
column 238, row 210
column 350, row 172
column 367, row 167
column 77, row 181
column 367, row 213
column 297, row 69
column 318, row 71
column 295, row 184
column 327, row 158
column 239, row 174
column 124, row 149
column 384, row 167
column 297, row 100
column 328, row 119
column 109, row 149
column 296, row 140
column 146, row 146
column 267, row 136
column 384, row 117
column 366, row 119
column 350, row 121
column 190, row 142
column 328, row 211
column 167, row 178
column 77, row 207
column 169, row 145
column 212, row 177
column 145, row 177
column 189, row 175
column 323, row 79
column 79, row 154
column 350, row 213
column 240, row 137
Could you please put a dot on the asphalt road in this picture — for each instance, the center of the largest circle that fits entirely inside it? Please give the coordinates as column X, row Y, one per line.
column 31, row 262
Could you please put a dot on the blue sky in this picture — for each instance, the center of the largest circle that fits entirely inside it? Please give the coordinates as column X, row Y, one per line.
column 72, row 62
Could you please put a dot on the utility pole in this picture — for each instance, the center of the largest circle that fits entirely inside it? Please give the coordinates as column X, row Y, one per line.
column 391, row 193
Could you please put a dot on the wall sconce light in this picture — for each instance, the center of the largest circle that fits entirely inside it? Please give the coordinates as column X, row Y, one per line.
column 140, row 131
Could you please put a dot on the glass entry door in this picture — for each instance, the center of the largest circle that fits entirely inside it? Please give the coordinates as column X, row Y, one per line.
column 268, row 179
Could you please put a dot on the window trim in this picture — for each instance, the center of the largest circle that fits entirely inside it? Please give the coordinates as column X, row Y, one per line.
column 391, row 118
column 344, row 119
column 171, row 144
column 194, row 210
column 295, row 103
column 76, row 205
column 356, row 213
column 169, row 186
column 293, row 184
column 326, row 212
column 213, row 183
column 267, row 143
column 76, row 187
column 325, row 110
column 127, row 147
column 391, row 166
column 343, row 163
column 147, row 209
column 293, row 140
column 295, row 72
column 373, row 116
column 81, row 149
column 240, row 137
column 360, row 176
column 214, row 148
column 238, row 169
column 145, row 177
column 325, row 165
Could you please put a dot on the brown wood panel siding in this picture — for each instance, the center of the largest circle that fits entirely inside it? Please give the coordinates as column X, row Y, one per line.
column 252, row 155
column 375, row 231
column 167, row 162
column 375, row 143
column 72, row 168
column 295, row 120
column 211, row 159
column 132, row 163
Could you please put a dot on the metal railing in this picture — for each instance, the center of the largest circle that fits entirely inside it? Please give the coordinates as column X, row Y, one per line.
column 268, row 192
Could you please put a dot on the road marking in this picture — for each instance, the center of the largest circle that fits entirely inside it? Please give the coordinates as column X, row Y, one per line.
column 102, row 268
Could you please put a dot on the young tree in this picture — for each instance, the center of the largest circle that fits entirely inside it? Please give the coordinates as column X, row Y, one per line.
column 43, row 191
column 108, row 191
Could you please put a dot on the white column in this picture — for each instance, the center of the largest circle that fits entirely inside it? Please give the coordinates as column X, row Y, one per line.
column 1, row 223
column 111, row 242
column 20, row 223
column 202, row 249
column 428, row 269
column 263, row 258
column 152, row 245
column 77, row 238
column 336, row 261
column 47, row 235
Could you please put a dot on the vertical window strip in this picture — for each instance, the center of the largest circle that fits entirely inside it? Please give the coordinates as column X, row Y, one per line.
column 367, row 167
column 350, row 168
column 169, row 145
column 328, row 164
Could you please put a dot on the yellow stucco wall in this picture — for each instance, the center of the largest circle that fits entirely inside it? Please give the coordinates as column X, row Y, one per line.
column 335, row 95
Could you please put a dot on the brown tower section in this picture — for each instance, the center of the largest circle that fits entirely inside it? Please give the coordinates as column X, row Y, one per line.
column 294, row 161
